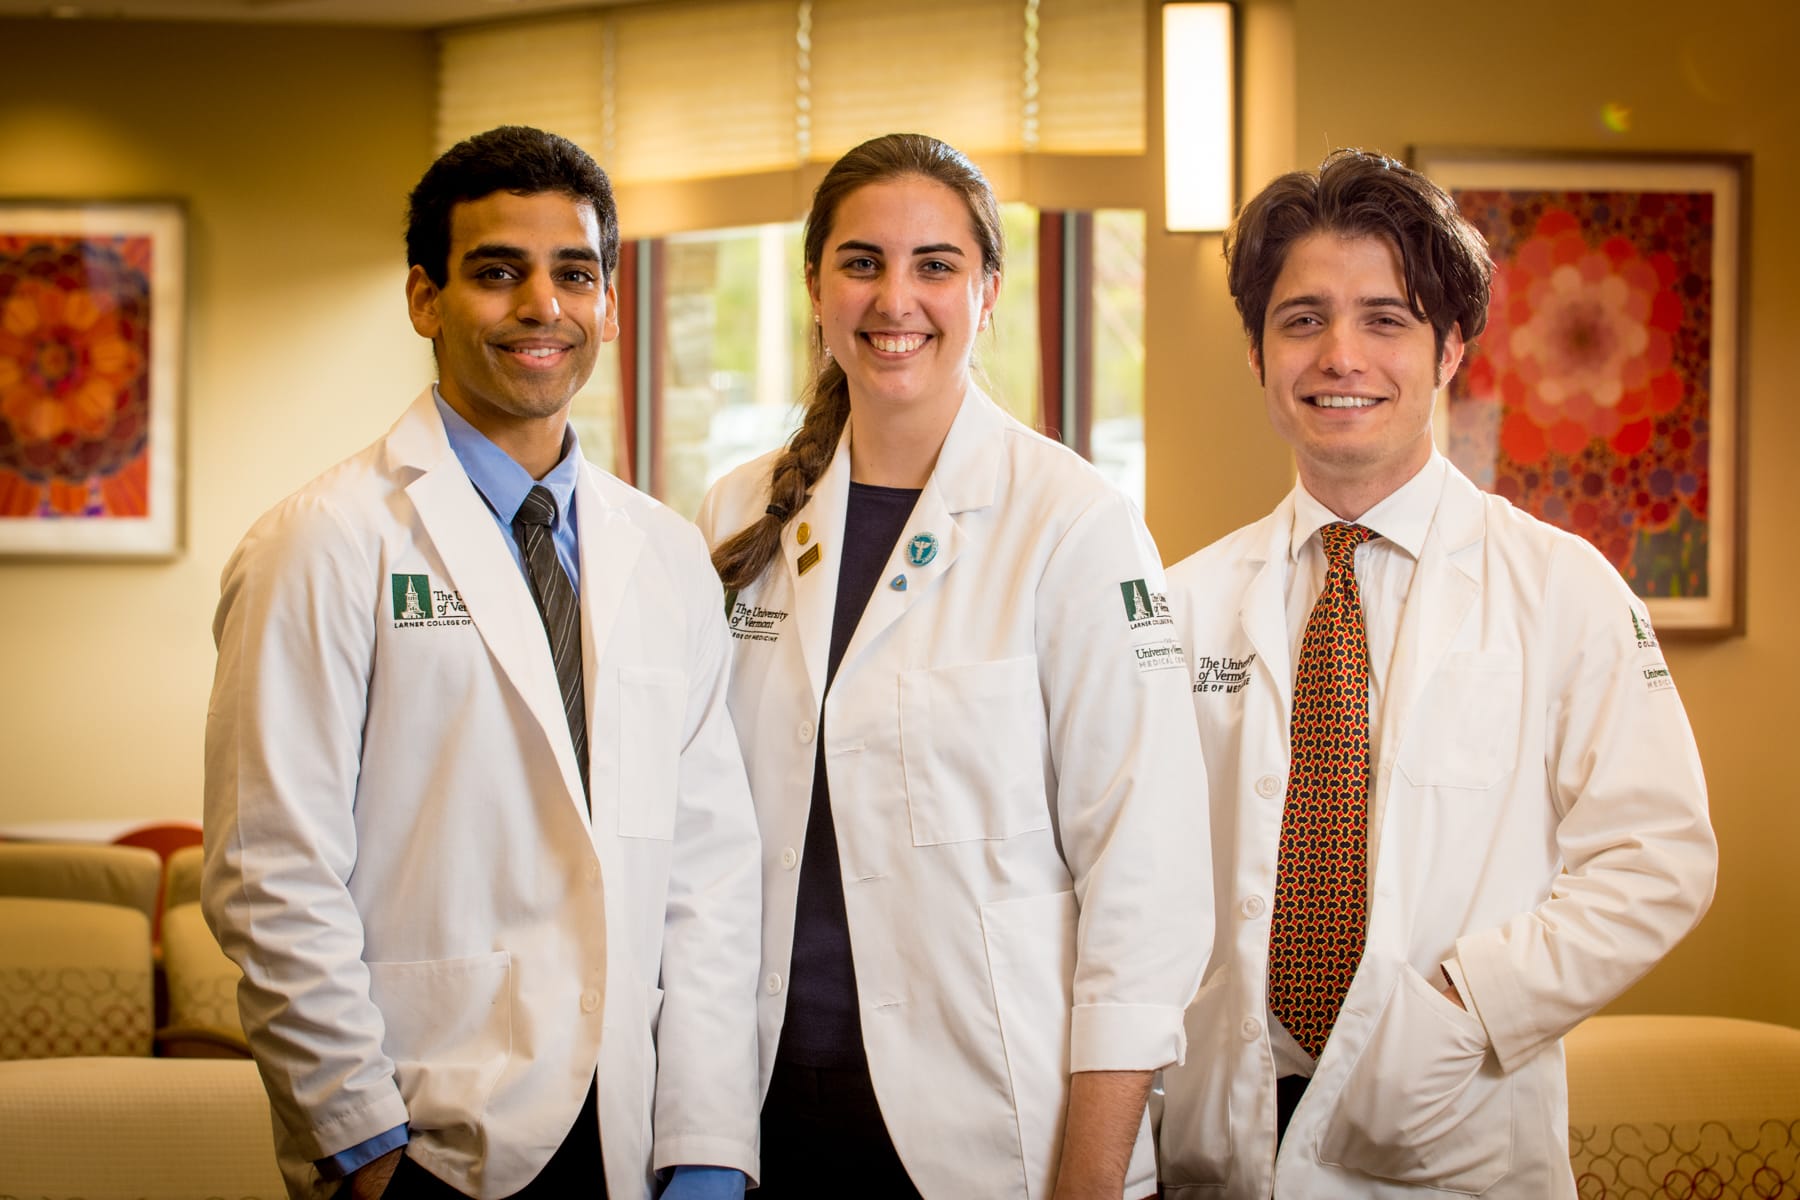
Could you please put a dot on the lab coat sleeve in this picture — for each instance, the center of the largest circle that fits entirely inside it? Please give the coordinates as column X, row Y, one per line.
column 707, row 1098
column 1639, row 856
column 295, row 636
column 1130, row 792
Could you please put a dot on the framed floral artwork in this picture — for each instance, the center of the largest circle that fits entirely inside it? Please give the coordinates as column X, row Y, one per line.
column 91, row 327
column 1605, row 395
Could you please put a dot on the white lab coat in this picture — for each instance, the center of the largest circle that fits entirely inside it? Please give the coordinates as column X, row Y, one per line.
column 1537, row 820
column 1016, row 788
column 399, row 854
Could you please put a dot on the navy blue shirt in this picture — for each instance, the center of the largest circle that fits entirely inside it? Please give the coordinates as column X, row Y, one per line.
column 822, row 1027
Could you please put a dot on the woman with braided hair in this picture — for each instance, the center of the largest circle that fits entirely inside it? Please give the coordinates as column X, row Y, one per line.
column 969, row 740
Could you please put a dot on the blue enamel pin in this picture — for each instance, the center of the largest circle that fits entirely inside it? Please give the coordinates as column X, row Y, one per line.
column 898, row 583
column 922, row 549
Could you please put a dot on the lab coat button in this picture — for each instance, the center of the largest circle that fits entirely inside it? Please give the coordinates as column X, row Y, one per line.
column 590, row 1000
column 1251, row 1029
column 592, row 872
column 773, row 983
column 1253, row 907
column 789, row 859
column 806, row 731
column 1267, row 787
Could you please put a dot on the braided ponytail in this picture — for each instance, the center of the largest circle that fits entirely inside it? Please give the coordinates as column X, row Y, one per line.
column 741, row 559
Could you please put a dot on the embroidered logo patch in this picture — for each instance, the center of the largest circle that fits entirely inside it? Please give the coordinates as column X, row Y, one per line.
column 418, row 605
column 1640, row 629
column 1220, row 673
column 1143, row 607
column 1162, row 655
column 754, row 623
column 411, row 593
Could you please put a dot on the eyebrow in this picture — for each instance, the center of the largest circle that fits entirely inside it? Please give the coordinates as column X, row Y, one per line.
column 1320, row 302
column 505, row 253
column 934, row 248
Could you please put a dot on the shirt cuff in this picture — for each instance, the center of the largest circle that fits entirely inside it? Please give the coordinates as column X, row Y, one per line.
column 341, row 1164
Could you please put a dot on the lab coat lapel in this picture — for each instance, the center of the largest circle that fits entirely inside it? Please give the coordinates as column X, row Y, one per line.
column 483, row 572
column 815, row 592
column 609, row 544
column 963, row 479
column 1445, row 584
column 1263, row 610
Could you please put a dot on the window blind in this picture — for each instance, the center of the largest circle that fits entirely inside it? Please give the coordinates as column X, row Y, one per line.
column 703, row 90
column 545, row 73
column 716, row 89
column 951, row 68
column 1091, row 77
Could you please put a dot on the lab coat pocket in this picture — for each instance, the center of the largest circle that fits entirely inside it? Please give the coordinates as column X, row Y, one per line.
column 1425, row 1102
column 1194, row 1134
column 1031, row 962
column 449, row 1032
column 1463, row 731
column 972, row 745
column 652, row 701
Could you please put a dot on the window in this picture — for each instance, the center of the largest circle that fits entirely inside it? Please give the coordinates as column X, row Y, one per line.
column 1116, row 442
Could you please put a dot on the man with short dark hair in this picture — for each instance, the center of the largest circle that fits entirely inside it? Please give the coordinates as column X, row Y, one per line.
column 1457, row 806
column 477, row 827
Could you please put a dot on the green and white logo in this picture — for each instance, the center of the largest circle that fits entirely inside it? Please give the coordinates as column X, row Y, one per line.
column 1137, row 600
column 412, row 597
column 1143, row 607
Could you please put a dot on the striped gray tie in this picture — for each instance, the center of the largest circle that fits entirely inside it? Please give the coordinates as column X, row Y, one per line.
column 561, row 610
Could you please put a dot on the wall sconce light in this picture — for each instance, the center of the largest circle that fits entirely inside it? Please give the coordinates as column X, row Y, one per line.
column 1199, row 116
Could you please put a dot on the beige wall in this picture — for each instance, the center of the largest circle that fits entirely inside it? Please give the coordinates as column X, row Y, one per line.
column 293, row 151
column 1536, row 74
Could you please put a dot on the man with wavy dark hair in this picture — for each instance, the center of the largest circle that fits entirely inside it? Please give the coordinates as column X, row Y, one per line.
column 1457, row 806
column 478, row 831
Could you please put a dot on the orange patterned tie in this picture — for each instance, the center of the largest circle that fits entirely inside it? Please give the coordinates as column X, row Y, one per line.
column 1321, row 875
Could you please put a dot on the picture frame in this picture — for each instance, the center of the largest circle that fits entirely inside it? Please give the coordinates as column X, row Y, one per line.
column 92, row 328
column 1606, row 395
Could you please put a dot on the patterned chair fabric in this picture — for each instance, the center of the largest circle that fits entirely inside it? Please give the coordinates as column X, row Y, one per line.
column 183, row 882
column 135, row 1129
column 1677, row 1108
column 125, row 875
column 75, row 979
column 202, row 981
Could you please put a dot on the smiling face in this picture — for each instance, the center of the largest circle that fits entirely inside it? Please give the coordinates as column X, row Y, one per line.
column 522, row 314
column 1349, row 373
column 900, row 293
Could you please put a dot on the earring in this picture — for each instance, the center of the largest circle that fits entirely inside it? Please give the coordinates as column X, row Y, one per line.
column 816, row 320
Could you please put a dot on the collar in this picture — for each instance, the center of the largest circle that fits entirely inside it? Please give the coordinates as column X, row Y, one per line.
column 1403, row 517
column 967, row 471
column 503, row 483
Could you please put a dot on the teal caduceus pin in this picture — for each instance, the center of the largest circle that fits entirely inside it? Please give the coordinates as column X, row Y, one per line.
column 921, row 549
